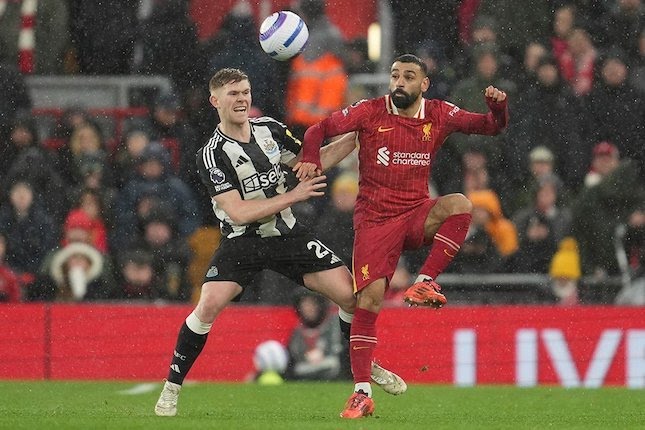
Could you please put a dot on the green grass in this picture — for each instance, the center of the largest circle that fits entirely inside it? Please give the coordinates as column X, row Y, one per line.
column 102, row 405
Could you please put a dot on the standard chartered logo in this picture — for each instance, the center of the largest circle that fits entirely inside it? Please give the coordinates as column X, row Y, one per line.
column 402, row 158
column 383, row 156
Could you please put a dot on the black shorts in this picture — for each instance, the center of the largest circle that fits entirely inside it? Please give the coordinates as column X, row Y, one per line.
column 241, row 258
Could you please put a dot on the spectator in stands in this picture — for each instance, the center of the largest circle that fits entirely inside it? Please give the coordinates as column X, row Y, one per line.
column 547, row 198
column 537, row 245
column 169, row 128
column 619, row 107
column 501, row 230
column 484, row 34
column 170, row 253
column 315, row 346
column 541, row 165
column 22, row 138
column 606, row 159
column 336, row 223
column 87, row 214
column 317, row 82
column 29, row 230
column 527, row 76
column 72, row 118
column 548, row 116
column 474, row 174
column 34, row 35
column 86, row 141
column 166, row 44
column 565, row 273
column 136, row 277
column 34, row 166
column 15, row 98
column 75, row 272
column 600, row 208
column 578, row 63
column 564, row 20
column 103, row 34
column 94, row 182
column 246, row 54
column 442, row 75
column 127, row 154
column 153, row 179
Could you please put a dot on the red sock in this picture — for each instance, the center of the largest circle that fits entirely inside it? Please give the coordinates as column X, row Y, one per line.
column 362, row 342
column 446, row 244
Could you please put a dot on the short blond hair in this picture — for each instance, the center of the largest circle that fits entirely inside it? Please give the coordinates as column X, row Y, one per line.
column 224, row 76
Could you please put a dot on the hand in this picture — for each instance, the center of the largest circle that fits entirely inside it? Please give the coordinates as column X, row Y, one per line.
column 309, row 187
column 306, row 170
column 494, row 94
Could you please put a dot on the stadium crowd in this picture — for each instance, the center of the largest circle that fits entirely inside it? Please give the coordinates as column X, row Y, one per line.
column 90, row 216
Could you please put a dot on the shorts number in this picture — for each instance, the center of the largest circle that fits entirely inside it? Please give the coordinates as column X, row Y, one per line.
column 322, row 251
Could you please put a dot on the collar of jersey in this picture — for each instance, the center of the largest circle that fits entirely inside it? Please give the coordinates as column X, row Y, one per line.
column 392, row 109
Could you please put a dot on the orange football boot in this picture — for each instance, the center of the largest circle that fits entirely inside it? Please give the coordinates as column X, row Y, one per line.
column 426, row 293
column 358, row 406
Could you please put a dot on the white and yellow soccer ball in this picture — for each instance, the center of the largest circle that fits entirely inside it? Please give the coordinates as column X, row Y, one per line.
column 283, row 35
column 270, row 356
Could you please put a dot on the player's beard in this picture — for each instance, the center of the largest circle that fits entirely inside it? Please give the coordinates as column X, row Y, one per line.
column 403, row 100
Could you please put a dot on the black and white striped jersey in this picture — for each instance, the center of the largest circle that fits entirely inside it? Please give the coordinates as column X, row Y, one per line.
column 254, row 170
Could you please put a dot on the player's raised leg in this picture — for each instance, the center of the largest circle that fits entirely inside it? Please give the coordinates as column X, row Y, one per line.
column 446, row 226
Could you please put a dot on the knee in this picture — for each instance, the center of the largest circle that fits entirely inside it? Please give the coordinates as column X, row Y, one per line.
column 459, row 204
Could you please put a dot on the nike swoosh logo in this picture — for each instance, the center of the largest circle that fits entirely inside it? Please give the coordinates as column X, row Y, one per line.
column 382, row 129
column 360, row 347
column 446, row 252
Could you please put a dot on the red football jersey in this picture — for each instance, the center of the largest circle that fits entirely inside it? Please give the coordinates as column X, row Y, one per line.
column 396, row 153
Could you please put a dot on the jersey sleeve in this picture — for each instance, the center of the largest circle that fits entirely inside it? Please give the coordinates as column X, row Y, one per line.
column 463, row 121
column 351, row 118
column 214, row 173
column 290, row 145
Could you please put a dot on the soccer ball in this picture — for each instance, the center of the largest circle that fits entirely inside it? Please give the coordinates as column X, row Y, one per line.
column 283, row 35
column 271, row 356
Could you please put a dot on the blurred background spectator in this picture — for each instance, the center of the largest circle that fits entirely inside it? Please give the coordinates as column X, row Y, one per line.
column 315, row 346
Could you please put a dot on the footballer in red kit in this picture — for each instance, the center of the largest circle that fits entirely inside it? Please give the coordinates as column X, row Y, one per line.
column 399, row 135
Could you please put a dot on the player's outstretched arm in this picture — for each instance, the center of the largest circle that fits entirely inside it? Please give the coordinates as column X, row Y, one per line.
column 330, row 155
column 497, row 102
column 243, row 212
column 339, row 148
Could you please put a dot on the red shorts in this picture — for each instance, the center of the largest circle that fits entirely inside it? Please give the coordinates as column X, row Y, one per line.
column 377, row 248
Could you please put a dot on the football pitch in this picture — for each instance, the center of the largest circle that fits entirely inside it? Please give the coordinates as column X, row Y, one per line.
column 122, row 405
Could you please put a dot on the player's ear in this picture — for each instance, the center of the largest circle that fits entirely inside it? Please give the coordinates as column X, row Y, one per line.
column 425, row 84
column 214, row 101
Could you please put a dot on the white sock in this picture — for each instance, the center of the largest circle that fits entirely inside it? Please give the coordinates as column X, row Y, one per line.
column 423, row 278
column 345, row 316
column 366, row 387
column 197, row 326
